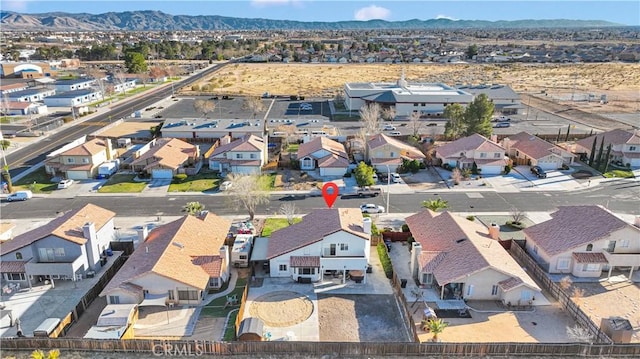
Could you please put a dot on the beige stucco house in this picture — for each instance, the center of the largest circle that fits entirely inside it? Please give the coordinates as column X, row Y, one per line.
column 383, row 151
column 81, row 161
column 530, row 150
column 244, row 155
column 462, row 153
column 625, row 146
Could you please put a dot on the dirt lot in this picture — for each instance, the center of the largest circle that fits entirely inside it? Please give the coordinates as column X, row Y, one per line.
column 620, row 82
column 359, row 318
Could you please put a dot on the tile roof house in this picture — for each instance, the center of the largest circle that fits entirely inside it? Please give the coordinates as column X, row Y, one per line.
column 245, row 155
column 80, row 161
column 325, row 240
column 163, row 158
column 584, row 241
column 178, row 263
column 625, row 146
column 465, row 260
column 67, row 247
column 329, row 156
column 462, row 153
column 530, row 150
column 383, row 150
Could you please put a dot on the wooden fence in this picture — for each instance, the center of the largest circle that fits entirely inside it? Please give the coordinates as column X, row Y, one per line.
column 404, row 307
column 317, row 349
column 396, row 236
column 243, row 301
column 563, row 298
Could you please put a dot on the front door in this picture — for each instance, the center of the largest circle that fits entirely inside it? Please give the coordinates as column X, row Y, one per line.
column 332, row 249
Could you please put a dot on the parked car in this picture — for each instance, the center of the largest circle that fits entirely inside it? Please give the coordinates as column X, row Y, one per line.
column 538, row 171
column 371, row 208
column 369, row 192
column 501, row 119
column 225, row 185
column 389, row 128
column 501, row 125
column 293, row 197
column 395, row 133
column 65, row 183
column 395, row 178
column 19, row 196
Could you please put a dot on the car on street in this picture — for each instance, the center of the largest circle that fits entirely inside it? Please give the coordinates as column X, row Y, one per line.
column 65, row 183
column 501, row 119
column 371, row 208
column 395, row 178
column 389, row 128
column 20, row 196
column 368, row 192
column 538, row 171
column 395, row 133
column 502, row 125
column 293, row 197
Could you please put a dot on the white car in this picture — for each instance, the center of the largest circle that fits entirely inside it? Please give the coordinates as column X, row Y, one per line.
column 395, row 178
column 66, row 183
column 225, row 185
column 371, row 208
column 389, row 128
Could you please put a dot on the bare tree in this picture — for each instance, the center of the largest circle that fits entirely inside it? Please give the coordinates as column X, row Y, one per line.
column 339, row 97
column 289, row 132
column 415, row 123
column 517, row 215
column 577, row 294
column 144, row 78
column 579, row 334
column 370, row 117
column 389, row 113
column 119, row 77
column 205, row 107
column 456, row 176
column 566, row 282
column 289, row 210
column 254, row 104
column 248, row 192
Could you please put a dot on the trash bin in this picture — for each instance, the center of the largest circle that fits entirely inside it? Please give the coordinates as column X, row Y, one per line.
column 403, row 283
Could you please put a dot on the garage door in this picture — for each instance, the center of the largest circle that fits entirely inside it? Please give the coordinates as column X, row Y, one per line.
column 77, row 175
column 491, row 170
column 162, row 174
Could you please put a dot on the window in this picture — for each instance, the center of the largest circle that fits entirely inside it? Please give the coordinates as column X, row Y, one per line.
column 114, row 299
column 563, row 263
column 18, row 255
column 239, row 156
column 592, row 267
column 188, row 295
column 60, row 252
column 253, row 156
column 494, row 290
column 85, row 160
column 15, row 276
column 415, row 104
column 213, row 282
column 243, row 257
column 172, row 295
column 589, row 247
column 632, row 148
column 624, row 243
column 71, row 160
column 483, row 155
column 344, row 247
column 423, row 104
column 282, row 267
column 497, row 155
column 307, row 270
column 392, row 154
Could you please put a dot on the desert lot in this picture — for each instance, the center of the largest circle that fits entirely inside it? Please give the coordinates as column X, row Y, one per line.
column 619, row 81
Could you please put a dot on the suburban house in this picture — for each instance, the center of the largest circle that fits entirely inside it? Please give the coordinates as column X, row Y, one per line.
column 465, row 260
column 329, row 239
column 18, row 108
column 67, row 247
column 584, row 241
column 245, row 155
column 324, row 154
column 177, row 264
column 79, row 161
column 383, row 151
column 625, row 146
column 163, row 158
column 530, row 150
column 462, row 153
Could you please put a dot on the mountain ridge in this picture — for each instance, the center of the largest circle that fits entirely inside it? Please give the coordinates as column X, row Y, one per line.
column 154, row 20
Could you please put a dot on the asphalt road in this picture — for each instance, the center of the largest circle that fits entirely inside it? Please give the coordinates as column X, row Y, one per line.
column 23, row 158
column 619, row 196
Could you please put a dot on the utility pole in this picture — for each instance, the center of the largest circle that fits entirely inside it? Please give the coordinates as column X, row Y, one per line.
column 6, row 176
column 388, row 186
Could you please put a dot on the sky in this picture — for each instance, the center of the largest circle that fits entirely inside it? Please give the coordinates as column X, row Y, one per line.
column 625, row 12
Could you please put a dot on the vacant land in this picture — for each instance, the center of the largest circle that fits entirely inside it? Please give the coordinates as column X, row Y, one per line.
column 620, row 82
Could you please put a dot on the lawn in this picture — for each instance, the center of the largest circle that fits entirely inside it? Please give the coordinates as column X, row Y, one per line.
column 267, row 181
column 274, row 224
column 619, row 174
column 199, row 183
column 121, row 183
column 216, row 308
column 293, row 147
column 37, row 182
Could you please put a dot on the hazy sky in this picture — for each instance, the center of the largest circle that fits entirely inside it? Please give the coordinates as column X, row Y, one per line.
column 625, row 12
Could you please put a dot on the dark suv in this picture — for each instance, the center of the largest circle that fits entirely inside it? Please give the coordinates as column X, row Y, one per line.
column 538, row 171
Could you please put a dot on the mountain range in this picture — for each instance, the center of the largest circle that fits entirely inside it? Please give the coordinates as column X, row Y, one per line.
column 149, row 20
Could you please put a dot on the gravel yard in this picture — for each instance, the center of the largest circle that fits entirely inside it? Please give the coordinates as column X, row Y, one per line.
column 360, row 318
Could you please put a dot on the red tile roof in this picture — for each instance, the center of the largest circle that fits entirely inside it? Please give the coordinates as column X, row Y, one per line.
column 532, row 146
column 68, row 227
column 12, row 267
column 590, row 257
column 304, row 261
column 89, row 148
column 167, row 153
column 510, row 283
column 473, row 142
column 614, row 137
column 573, row 227
column 405, row 149
column 314, row 227
column 212, row 265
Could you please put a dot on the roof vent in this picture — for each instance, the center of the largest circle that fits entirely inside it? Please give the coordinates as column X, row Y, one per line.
column 461, row 240
column 178, row 244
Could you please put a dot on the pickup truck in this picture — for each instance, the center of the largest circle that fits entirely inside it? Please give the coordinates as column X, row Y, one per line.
column 369, row 192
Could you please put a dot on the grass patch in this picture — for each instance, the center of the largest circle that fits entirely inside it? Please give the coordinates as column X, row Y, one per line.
column 199, row 183
column 121, row 183
column 619, row 174
column 274, row 224
column 38, row 181
column 216, row 309
column 267, row 182
column 293, row 147
column 230, row 330
column 346, row 117
column 384, row 259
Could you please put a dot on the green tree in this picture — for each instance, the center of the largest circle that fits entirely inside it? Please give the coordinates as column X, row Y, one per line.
column 135, row 62
column 477, row 116
column 592, row 156
column 5, row 144
column 599, row 158
column 436, row 327
column 605, row 165
column 455, row 125
column 472, row 51
column 364, row 175
column 435, row 204
column 193, row 208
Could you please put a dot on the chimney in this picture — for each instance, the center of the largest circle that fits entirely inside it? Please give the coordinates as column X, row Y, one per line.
column 416, row 249
column 225, row 140
column 109, row 146
column 143, row 233
column 506, row 143
column 89, row 232
column 366, row 225
column 224, row 254
column 494, row 138
column 494, row 231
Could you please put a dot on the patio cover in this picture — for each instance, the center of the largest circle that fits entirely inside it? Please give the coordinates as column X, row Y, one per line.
column 151, row 300
column 260, row 249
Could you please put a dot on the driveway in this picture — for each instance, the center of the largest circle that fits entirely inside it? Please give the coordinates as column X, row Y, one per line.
column 157, row 187
column 555, row 181
column 78, row 188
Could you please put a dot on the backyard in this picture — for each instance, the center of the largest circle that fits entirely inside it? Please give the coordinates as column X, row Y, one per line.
column 218, row 308
column 202, row 182
column 122, row 183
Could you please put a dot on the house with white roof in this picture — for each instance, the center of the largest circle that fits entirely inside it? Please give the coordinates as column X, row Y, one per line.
column 625, row 146
column 328, row 156
column 530, row 150
column 383, row 151
column 584, row 241
column 329, row 239
column 465, row 260
column 177, row 264
column 73, row 84
column 244, row 155
column 462, row 153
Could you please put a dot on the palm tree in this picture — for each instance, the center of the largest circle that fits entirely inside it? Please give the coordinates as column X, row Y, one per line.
column 193, row 208
column 435, row 204
column 436, row 327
